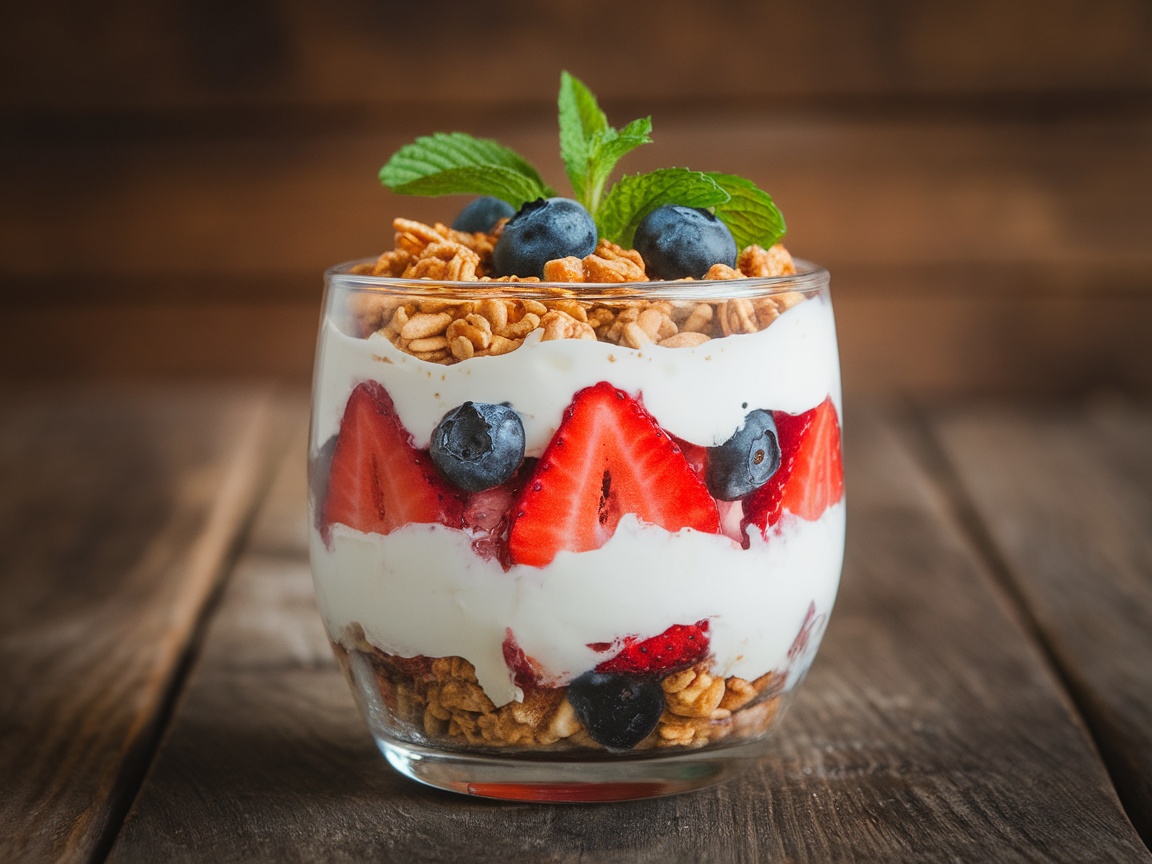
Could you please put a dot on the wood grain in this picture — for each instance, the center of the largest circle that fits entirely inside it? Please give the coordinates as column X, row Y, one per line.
column 885, row 193
column 891, row 341
column 1066, row 499
column 930, row 730
column 118, row 516
column 354, row 51
column 1006, row 257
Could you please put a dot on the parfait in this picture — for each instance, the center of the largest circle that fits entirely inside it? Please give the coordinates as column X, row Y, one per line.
column 575, row 473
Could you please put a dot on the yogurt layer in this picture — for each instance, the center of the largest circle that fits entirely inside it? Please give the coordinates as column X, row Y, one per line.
column 421, row 590
column 699, row 394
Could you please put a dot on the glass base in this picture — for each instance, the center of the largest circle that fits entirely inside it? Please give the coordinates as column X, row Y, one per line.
column 518, row 778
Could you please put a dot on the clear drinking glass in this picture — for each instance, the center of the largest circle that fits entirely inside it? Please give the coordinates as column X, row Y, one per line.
column 629, row 610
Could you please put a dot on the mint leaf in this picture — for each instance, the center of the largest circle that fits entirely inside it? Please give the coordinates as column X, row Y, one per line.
column 581, row 120
column 749, row 213
column 607, row 148
column 458, row 164
column 589, row 146
column 495, row 180
column 634, row 197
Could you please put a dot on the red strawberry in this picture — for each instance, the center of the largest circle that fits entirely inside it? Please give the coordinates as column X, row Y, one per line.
column 696, row 455
column 526, row 672
column 487, row 515
column 678, row 647
column 811, row 474
column 379, row 482
column 811, row 623
column 608, row 458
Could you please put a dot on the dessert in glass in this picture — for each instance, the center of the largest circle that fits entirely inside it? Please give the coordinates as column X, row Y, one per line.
column 577, row 504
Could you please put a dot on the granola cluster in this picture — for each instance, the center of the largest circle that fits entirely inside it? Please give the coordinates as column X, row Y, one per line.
column 440, row 700
column 448, row 331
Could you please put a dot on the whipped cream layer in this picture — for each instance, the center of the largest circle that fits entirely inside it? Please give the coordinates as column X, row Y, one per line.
column 421, row 590
column 699, row 394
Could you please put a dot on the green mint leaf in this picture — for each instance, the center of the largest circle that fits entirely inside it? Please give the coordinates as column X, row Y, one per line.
column 589, row 146
column 581, row 120
column 495, row 180
column 607, row 149
column 458, row 164
column 749, row 213
column 634, row 197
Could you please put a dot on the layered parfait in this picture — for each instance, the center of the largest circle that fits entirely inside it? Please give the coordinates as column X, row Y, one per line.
column 576, row 484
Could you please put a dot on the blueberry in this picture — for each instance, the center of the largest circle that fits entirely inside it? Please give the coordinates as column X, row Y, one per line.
column 619, row 711
column 678, row 242
column 746, row 461
column 478, row 445
column 483, row 214
column 540, row 231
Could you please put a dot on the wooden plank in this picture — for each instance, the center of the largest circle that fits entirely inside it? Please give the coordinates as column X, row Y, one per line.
column 297, row 53
column 893, row 339
column 884, row 193
column 965, row 255
column 1066, row 500
column 930, row 729
column 119, row 513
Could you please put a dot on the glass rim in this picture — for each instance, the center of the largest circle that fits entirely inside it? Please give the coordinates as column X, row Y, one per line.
column 808, row 278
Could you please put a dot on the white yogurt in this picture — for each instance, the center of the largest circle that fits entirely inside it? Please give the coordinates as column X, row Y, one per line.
column 421, row 590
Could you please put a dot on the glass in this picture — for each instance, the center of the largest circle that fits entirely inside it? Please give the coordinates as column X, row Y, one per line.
column 604, row 623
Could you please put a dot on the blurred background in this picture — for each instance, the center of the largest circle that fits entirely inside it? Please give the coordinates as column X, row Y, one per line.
column 175, row 175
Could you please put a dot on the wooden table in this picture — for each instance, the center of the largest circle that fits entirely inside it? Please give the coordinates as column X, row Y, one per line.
column 984, row 692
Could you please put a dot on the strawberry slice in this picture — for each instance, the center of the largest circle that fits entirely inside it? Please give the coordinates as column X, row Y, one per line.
column 526, row 672
column 487, row 515
column 608, row 458
column 678, row 647
column 696, row 455
column 811, row 474
column 378, row 481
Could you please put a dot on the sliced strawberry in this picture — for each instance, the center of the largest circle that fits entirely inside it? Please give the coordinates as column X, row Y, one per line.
column 696, row 455
column 608, row 458
column 526, row 672
column 378, row 481
column 678, row 647
column 811, row 474
column 487, row 515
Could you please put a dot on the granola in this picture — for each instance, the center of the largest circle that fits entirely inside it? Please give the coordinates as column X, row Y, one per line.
column 448, row 331
column 439, row 701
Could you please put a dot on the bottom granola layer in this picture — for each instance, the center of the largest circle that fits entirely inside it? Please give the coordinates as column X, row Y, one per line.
column 437, row 701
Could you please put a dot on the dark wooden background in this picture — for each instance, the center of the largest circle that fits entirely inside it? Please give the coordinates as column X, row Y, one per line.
column 175, row 174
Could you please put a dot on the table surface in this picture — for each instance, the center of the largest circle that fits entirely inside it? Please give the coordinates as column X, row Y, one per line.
column 984, row 692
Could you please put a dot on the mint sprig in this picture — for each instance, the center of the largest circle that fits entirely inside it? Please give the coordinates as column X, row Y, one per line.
column 590, row 147
column 455, row 163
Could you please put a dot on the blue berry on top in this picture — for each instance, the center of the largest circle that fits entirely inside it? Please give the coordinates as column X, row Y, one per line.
column 541, row 231
column 482, row 214
column 680, row 242
column 746, row 461
column 478, row 445
column 619, row 711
